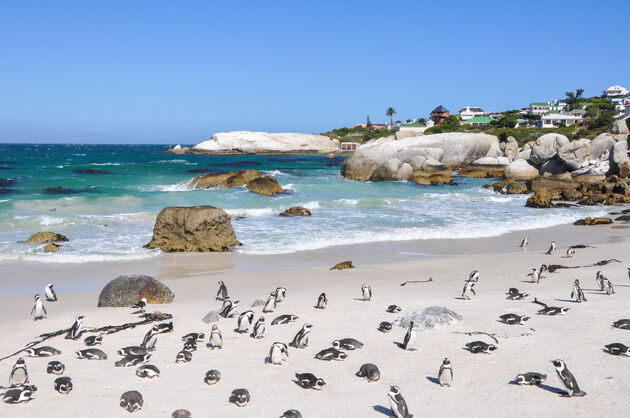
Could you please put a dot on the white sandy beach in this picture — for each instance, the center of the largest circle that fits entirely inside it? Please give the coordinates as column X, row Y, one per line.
column 481, row 382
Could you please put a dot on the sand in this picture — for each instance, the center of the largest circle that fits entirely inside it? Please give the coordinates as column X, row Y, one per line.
column 481, row 382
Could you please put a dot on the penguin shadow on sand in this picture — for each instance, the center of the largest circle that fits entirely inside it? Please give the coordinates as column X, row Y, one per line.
column 433, row 379
column 542, row 386
column 565, row 300
column 401, row 346
column 383, row 410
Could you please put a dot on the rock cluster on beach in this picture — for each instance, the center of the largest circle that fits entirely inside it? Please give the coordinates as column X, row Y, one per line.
column 46, row 237
column 253, row 180
column 124, row 291
column 296, row 211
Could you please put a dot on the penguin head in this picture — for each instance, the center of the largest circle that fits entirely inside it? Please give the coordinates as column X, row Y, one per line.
column 394, row 390
column 336, row 344
column 294, row 317
column 520, row 379
column 446, row 362
column 319, row 383
column 558, row 364
column 37, row 297
column 308, row 327
column 30, row 352
column 20, row 362
column 80, row 318
column 492, row 347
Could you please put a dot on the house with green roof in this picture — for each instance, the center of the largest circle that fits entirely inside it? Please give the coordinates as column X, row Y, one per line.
column 479, row 121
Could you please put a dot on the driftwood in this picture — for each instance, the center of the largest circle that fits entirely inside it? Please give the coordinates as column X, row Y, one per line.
column 604, row 262
column 491, row 335
column 109, row 329
column 579, row 246
column 553, row 267
column 417, row 281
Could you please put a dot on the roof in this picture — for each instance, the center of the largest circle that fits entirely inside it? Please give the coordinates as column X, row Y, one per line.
column 554, row 112
column 539, row 104
column 471, row 109
column 413, row 125
column 561, row 116
column 440, row 109
column 480, row 119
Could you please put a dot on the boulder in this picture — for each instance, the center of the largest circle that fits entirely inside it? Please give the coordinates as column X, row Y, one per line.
column 224, row 180
column 571, row 195
column 511, row 149
column 409, row 153
column 343, row 265
column 392, row 170
column 124, row 291
column 197, row 228
column 362, row 163
column 481, row 171
column 52, row 248
column 602, row 144
column 575, row 153
column 427, row 171
column 546, row 147
column 593, row 221
column 551, row 185
column 624, row 169
column 46, row 237
column 552, row 167
column 266, row 185
column 490, row 161
column 621, row 127
column 540, row 199
column 265, row 142
column 520, row 170
column 296, row 211
column 618, row 156
column 592, row 168
column 517, row 187
column 524, row 154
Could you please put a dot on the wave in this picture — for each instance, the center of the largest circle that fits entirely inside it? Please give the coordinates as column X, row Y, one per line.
column 276, row 173
column 4, row 200
column 175, row 161
column 70, row 258
column 251, row 212
column 104, row 163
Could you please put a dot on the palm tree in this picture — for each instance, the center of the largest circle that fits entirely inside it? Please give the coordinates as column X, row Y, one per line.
column 579, row 93
column 391, row 112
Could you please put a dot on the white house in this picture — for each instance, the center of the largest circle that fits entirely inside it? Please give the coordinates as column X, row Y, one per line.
column 615, row 91
column 469, row 112
column 542, row 108
column 557, row 119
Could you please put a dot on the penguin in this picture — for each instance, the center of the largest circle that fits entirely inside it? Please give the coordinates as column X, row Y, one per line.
column 445, row 375
column 570, row 252
column 598, row 280
column 14, row 396
column 291, row 413
column 131, row 401
column 347, row 344
column 194, row 336
column 567, row 379
column 39, row 310
column 385, row 326
column 552, row 248
column 131, row 360
column 524, row 243
column 530, row 378
column 222, row 294
column 91, row 354
column 543, row 269
column 276, row 352
column 397, row 403
column 190, row 345
column 410, row 336
column 468, row 290
column 183, row 357
column 473, row 276
column 301, row 338
column 216, row 339
column 240, row 397
column 618, row 349
column 141, row 304
column 212, row 377
column 480, row 347
column 270, row 305
column 279, row 294
column 284, row 319
column 229, row 311
column 331, row 354
column 310, row 381
column 322, row 301
column 51, row 296
column 75, row 329
column 393, row 309
column 514, row 294
column 622, row 324
column 550, row 310
column 181, row 413
column 245, row 320
column 148, row 371
column 55, row 367
column 366, row 291
column 133, row 350
column 514, row 319
column 150, row 339
column 19, row 374
column 608, row 286
column 93, row 340
column 577, row 294
column 63, row 385
column 535, row 275
column 369, row 372
column 259, row 328
column 44, row 351
column 628, row 272
column 164, row 327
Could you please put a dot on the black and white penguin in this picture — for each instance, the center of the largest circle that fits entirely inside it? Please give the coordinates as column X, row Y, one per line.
column 270, row 305
column 131, row 401
column 473, row 276
column 51, row 296
column 216, row 339
column 369, row 372
column 291, row 413
column 331, row 354
column 93, row 340
column 63, row 385
column 183, row 357
column 181, row 413
column 190, row 345
column 393, row 309
column 259, row 328
column 141, row 304
column 628, row 272
column 524, row 243
column 301, row 338
column 38, row 311
column 385, row 326
column 347, row 344
column 91, row 354
column 284, row 319
column 222, row 294
column 276, row 353
column 55, row 367
column 150, row 339
column 75, row 329
column 43, row 351
column 514, row 294
column 577, row 294
column 229, row 310
column 240, row 397
column 552, row 248
column 310, row 381
column 245, row 320
column 480, row 347
column 280, row 293
column 397, row 403
column 20, row 395
column 468, row 290
column 570, row 252
column 550, row 310
column 133, row 350
column 608, row 286
column 514, row 319
column 194, row 336
column 164, row 327
column 19, row 374
column 618, row 349
column 567, row 379
column 410, row 337
column 322, row 301
column 530, row 378
column 622, row 324
column 535, row 275
column 131, row 360
column 148, row 371
column 366, row 292
column 598, row 279
column 445, row 375
column 212, row 377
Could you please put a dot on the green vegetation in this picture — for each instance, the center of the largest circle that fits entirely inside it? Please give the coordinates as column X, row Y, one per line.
column 357, row 133
column 450, row 124
column 390, row 112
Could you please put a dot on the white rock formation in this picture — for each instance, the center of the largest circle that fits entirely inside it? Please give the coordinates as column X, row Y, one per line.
column 520, row 170
column 260, row 142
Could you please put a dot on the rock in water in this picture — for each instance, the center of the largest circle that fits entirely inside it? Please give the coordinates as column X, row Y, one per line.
column 264, row 185
column 212, row 316
column 520, row 170
column 52, row 248
column 343, row 265
column 264, row 142
column 197, row 228
column 593, row 221
column 224, row 180
column 46, row 237
column 127, row 290
column 432, row 317
column 540, row 199
column 296, row 211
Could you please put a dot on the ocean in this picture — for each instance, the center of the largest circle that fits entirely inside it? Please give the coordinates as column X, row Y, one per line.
column 105, row 198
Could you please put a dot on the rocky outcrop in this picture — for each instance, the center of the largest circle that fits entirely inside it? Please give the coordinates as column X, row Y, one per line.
column 52, row 248
column 552, row 167
column 342, row 266
column 511, row 149
column 602, row 144
column 426, row 171
column 266, row 185
column 546, row 147
column 197, row 228
column 593, row 221
column 265, row 142
column 124, row 291
column 485, row 167
column 46, row 237
column 296, row 211
column 621, row 127
column 540, row 199
column 518, row 187
column 618, row 156
column 224, row 180
column 575, row 153
column 520, row 170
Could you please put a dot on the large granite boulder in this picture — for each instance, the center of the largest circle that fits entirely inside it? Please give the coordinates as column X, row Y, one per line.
column 618, row 156
column 197, row 228
column 266, row 185
column 46, row 237
column 622, row 126
column 575, row 153
column 124, row 291
column 546, row 147
column 427, row 171
column 511, row 149
column 520, row 170
column 362, row 163
column 552, row 167
column 224, row 180
column 486, row 167
column 392, row 169
column 265, row 142
column 601, row 144
column 523, row 154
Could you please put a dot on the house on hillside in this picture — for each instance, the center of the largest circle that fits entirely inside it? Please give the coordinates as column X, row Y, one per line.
column 439, row 114
column 469, row 112
column 543, row 108
column 415, row 126
column 616, row 91
column 479, row 121
column 556, row 120
column 349, row 146
column 374, row 125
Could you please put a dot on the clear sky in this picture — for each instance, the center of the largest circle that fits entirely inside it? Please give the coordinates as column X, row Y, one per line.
column 178, row 71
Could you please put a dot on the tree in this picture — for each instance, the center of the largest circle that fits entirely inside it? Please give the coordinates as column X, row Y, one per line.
column 391, row 112
column 578, row 93
column 422, row 121
column 369, row 123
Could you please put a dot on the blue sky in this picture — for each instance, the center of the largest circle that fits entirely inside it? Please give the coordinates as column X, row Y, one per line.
column 176, row 72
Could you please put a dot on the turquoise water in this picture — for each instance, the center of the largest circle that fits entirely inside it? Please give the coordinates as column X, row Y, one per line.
column 110, row 216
